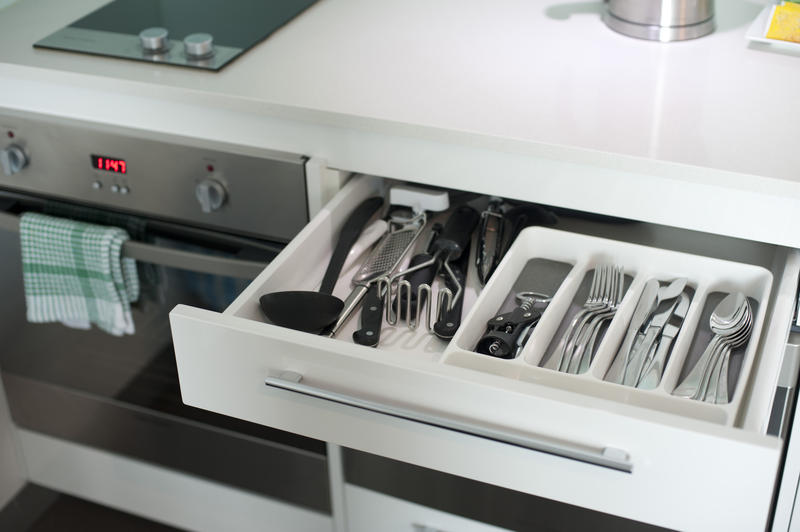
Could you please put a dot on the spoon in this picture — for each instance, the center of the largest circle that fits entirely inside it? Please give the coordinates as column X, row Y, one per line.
column 717, row 389
column 311, row 311
column 726, row 322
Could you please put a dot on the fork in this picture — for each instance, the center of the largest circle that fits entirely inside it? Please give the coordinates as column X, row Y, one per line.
column 584, row 349
column 594, row 299
column 605, row 294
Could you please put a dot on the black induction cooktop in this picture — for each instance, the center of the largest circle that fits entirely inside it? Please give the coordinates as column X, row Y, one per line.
column 205, row 34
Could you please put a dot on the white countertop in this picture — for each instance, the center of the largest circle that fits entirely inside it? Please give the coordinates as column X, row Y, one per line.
column 528, row 98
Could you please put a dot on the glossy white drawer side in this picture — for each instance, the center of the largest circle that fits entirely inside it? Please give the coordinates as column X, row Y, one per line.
column 766, row 368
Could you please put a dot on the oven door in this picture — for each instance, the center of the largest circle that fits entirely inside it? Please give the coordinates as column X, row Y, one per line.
column 121, row 394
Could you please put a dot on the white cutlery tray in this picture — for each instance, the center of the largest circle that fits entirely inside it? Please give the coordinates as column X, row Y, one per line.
column 707, row 277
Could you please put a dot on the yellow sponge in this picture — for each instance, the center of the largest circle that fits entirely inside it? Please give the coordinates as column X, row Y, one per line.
column 785, row 25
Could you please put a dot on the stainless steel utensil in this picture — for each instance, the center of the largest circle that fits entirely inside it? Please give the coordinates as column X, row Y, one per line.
column 636, row 348
column 576, row 348
column 647, row 301
column 653, row 372
column 731, row 321
column 593, row 301
column 449, row 254
column 644, row 351
column 651, row 330
column 717, row 391
column 490, row 239
column 384, row 258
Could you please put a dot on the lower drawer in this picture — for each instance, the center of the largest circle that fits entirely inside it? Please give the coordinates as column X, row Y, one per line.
column 576, row 439
column 417, row 492
column 368, row 511
column 245, row 461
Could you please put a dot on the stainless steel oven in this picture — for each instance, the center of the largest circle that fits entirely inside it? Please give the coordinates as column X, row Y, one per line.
column 204, row 221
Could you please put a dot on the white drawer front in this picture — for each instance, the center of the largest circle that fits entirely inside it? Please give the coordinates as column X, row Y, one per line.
column 610, row 452
column 368, row 511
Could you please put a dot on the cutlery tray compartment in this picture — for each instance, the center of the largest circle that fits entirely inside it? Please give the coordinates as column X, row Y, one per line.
column 700, row 340
column 708, row 280
column 538, row 275
column 576, row 305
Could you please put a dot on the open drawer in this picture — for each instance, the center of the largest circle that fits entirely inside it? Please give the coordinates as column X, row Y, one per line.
column 641, row 454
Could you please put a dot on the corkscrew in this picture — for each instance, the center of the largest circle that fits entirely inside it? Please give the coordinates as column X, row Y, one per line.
column 507, row 333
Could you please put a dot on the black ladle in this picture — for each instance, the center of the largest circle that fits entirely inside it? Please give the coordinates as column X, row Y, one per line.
column 314, row 311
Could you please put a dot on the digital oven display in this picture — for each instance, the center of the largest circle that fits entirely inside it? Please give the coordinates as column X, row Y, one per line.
column 109, row 164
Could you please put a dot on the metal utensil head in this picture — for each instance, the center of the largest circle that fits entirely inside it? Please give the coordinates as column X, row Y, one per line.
column 727, row 319
column 729, row 310
column 673, row 289
column 388, row 253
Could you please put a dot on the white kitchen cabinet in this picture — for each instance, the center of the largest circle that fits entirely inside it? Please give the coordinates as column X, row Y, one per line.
column 161, row 494
column 590, row 444
column 368, row 511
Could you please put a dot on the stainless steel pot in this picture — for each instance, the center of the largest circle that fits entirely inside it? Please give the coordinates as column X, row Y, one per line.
column 661, row 20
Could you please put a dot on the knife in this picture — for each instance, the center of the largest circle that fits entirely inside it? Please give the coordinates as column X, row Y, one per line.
column 664, row 293
column 371, row 318
column 645, row 306
column 653, row 373
column 638, row 358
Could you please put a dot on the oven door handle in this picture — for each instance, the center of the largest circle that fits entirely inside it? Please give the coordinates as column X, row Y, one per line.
column 173, row 258
column 610, row 457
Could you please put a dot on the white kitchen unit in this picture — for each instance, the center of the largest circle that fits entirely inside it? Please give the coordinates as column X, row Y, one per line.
column 525, row 99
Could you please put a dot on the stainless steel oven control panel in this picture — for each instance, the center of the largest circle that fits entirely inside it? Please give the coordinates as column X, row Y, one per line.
column 256, row 192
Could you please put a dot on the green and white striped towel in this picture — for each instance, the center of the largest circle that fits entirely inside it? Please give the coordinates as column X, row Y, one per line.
column 74, row 273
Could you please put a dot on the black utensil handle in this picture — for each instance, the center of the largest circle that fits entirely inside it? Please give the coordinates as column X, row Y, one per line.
column 350, row 232
column 371, row 318
column 416, row 278
column 457, row 233
column 526, row 216
column 450, row 320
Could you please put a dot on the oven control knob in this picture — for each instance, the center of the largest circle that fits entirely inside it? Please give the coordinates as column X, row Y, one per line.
column 199, row 45
column 154, row 40
column 13, row 159
column 211, row 194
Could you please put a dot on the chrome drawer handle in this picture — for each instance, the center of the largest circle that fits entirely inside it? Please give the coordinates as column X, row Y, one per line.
column 609, row 457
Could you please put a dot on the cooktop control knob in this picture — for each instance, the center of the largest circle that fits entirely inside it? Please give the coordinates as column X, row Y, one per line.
column 13, row 159
column 211, row 194
column 154, row 40
column 199, row 45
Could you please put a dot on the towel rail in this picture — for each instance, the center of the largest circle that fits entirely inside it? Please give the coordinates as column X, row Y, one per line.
column 174, row 258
